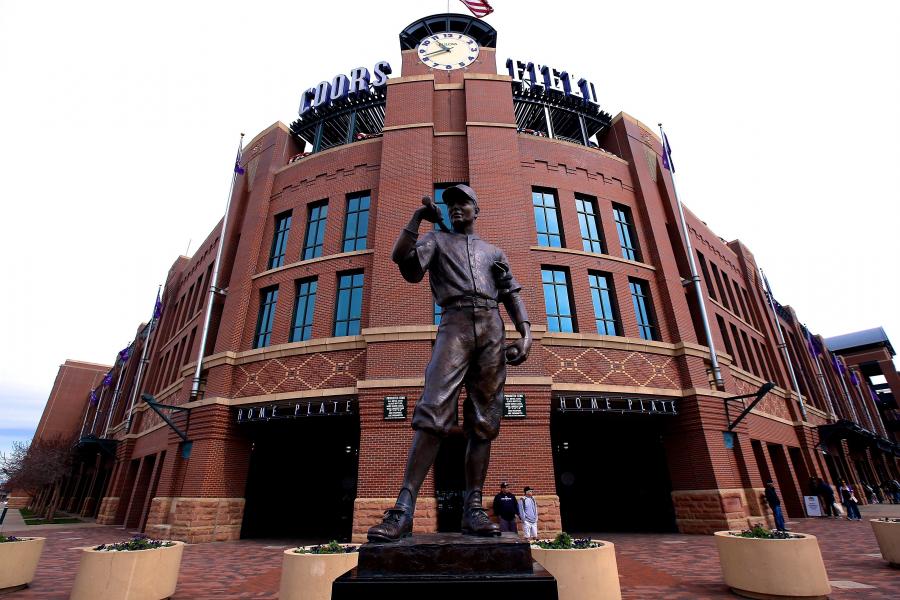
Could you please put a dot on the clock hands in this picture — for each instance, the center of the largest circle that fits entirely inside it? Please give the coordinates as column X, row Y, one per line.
column 444, row 49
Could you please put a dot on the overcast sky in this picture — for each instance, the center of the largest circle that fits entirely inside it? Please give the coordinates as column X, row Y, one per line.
column 120, row 122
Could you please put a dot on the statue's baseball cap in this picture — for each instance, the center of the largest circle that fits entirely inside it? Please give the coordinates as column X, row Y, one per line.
column 460, row 193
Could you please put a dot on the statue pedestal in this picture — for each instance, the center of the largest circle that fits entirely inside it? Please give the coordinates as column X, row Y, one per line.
column 446, row 566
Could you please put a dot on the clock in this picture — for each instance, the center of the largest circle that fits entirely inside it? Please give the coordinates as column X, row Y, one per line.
column 447, row 51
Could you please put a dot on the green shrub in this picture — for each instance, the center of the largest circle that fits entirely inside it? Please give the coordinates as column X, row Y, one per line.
column 138, row 542
column 759, row 531
column 332, row 547
column 564, row 541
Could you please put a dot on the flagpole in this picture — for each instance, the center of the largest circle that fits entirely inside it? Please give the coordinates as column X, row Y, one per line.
column 99, row 404
column 847, row 393
column 783, row 345
column 86, row 411
column 214, row 278
column 875, row 406
column 862, row 401
column 115, row 398
column 713, row 358
column 140, row 369
column 824, row 384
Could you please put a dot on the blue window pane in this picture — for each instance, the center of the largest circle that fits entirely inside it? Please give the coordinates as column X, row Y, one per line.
column 560, row 317
column 268, row 300
column 348, row 312
column 546, row 218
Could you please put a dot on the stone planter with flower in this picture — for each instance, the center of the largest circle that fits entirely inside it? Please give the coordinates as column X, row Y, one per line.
column 762, row 563
column 137, row 569
column 887, row 532
column 584, row 569
column 18, row 561
column 308, row 572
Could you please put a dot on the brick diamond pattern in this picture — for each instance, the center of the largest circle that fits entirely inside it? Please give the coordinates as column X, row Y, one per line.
column 614, row 367
column 299, row 373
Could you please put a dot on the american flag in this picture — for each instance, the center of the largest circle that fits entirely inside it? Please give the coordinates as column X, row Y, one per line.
column 479, row 8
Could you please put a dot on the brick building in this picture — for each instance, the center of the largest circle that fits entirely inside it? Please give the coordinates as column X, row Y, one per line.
column 317, row 348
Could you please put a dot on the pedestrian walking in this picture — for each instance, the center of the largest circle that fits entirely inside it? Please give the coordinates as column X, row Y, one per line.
column 775, row 505
column 851, row 502
column 506, row 509
column 827, row 494
column 528, row 512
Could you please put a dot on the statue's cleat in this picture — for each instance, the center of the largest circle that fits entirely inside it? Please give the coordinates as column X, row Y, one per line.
column 476, row 522
column 397, row 523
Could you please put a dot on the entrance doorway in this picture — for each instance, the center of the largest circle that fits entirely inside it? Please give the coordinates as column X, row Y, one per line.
column 450, row 482
column 302, row 478
column 611, row 472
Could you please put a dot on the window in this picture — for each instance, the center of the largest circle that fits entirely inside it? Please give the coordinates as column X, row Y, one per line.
column 625, row 229
column 754, row 368
column 546, row 218
column 279, row 240
column 722, row 293
column 315, row 230
column 349, row 304
column 437, row 313
column 589, row 223
column 740, row 348
column 304, row 309
column 724, row 331
column 604, row 314
column 709, row 286
column 356, row 226
column 643, row 309
column 557, row 300
column 268, row 297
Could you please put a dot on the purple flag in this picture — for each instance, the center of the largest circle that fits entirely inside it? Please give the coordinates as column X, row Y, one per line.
column 107, row 380
column 238, row 168
column 853, row 378
column 157, row 308
column 838, row 365
column 667, row 155
column 94, row 397
column 874, row 396
column 125, row 354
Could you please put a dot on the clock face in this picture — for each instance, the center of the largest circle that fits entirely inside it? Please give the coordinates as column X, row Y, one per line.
column 447, row 51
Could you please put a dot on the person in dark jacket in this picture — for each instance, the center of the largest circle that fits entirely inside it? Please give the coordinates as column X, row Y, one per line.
column 851, row 502
column 775, row 505
column 506, row 509
column 826, row 492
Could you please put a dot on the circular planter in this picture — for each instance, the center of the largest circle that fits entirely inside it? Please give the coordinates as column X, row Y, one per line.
column 888, row 536
column 18, row 562
column 132, row 575
column 309, row 576
column 760, row 568
column 589, row 574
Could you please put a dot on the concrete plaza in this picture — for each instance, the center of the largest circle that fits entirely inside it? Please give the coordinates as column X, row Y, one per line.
column 671, row 566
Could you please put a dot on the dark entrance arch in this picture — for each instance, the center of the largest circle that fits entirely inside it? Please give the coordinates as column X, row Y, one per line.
column 611, row 472
column 302, row 478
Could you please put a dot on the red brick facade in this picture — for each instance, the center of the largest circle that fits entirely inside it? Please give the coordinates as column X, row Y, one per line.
column 446, row 128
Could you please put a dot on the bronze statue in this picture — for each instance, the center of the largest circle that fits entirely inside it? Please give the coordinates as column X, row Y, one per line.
column 468, row 278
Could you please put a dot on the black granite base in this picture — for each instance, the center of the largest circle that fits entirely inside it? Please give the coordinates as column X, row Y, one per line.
column 446, row 567
column 538, row 585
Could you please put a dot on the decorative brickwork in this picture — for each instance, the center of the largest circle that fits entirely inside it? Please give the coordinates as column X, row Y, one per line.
column 196, row 520
column 707, row 511
column 18, row 501
column 109, row 506
column 613, row 367
column 298, row 373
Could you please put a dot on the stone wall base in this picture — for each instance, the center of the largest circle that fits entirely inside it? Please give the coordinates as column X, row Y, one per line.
column 18, row 501
column 369, row 511
column 708, row 511
column 195, row 520
column 108, row 508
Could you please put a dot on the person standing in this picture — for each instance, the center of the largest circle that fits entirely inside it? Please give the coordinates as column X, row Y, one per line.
column 528, row 512
column 775, row 505
column 827, row 494
column 848, row 497
column 506, row 509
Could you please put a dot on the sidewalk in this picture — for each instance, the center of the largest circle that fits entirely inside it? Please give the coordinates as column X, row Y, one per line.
column 15, row 523
column 670, row 566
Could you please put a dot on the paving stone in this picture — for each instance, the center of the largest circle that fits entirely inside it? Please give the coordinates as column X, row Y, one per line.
column 670, row 566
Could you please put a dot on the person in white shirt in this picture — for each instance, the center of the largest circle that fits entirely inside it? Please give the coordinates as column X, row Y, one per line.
column 528, row 512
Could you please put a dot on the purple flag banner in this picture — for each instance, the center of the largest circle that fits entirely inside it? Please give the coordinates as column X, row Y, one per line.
column 125, row 354
column 157, row 308
column 107, row 380
column 667, row 157
column 874, row 396
column 853, row 378
column 94, row 398
column 837, row 364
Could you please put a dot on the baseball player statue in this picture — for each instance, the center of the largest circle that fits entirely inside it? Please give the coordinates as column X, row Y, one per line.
column 469, row 277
